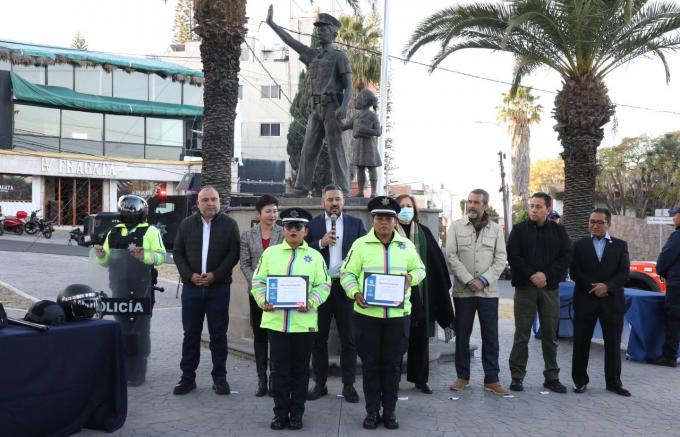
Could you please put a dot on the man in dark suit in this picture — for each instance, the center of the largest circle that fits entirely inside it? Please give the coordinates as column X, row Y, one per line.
column 600, row 267
column 206, row 250
column 332, row 233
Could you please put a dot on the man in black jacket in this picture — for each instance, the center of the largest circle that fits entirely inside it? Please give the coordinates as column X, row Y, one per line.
column 539, row 253
column 599, row 268
column 206, row 250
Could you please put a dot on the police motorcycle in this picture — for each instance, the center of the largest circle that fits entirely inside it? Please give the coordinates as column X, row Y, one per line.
column 117, row 269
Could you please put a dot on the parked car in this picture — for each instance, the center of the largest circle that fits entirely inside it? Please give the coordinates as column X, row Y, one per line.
column 643, row 277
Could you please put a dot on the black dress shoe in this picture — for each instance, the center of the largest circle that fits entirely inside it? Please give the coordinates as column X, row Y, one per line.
column 555, row 385
column 278, row 423
column 295, row 422
column 619, row 390
column 390, row 421
column 581, row 388
column 516, row 385
column 317, row 392
column 664, row 361
column 371, row 421
column 350, row 394
column 221, row 387
column 425, row 388
column 184, row 386
column 261, row 387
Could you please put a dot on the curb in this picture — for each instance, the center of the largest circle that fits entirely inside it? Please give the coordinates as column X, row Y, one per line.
column 19, row 292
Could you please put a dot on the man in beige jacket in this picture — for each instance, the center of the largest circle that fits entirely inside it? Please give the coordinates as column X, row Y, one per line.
column 475, row 249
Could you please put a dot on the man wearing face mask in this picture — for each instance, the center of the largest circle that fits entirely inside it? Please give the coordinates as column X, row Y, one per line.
column 332, row 233
column 430, row 299
column 475, row 247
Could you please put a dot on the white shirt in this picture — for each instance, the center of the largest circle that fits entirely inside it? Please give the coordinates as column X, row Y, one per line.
column 334, row 251
column 206, row 244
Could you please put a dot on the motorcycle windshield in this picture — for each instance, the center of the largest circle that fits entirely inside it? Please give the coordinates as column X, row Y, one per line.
column 124, row 278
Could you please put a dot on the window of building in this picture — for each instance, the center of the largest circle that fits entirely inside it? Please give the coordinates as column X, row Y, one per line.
column 124, row 129
column 271, row 92
column 193, row 95
column 5, row 65
column 240, row 92
column 35, row 120
column 133, row 85
column 164, row 90
column 60, row 75
column 32, row 74
column 94, row 81
column 270, row 129
column 164, row 132
column 82, row 132
column 245, row 54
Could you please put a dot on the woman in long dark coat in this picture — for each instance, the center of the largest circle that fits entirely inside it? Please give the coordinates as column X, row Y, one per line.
column 430, row 300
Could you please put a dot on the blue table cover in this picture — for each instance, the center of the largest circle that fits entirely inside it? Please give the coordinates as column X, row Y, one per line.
column 54, row 383
column 644, row 328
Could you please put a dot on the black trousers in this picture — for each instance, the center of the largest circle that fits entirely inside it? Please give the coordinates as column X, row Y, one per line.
column 259, row 337
column 381, row 343
column 339, row 307
column 290, row 370
column 584, row 324
column 672, row 322
column 136, row 333
column 418, row 363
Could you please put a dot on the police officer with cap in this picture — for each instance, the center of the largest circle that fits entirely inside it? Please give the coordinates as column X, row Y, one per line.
column 381, row 332
column 330, row 89
column 137, row 246
column 291, row 331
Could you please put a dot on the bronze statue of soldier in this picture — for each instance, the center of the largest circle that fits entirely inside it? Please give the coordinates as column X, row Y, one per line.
column 330, row 83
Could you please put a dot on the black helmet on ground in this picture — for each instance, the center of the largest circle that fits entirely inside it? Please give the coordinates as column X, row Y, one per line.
column 132, row 209
column 80, row 301
column 45, row 312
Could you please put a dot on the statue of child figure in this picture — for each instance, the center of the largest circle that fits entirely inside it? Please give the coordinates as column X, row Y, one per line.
column 365, row 130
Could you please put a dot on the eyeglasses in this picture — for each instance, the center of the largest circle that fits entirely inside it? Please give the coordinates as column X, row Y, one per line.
column 597, row 222
column 296, row 226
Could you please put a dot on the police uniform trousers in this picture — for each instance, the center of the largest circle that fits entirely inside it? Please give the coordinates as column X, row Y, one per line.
column 289, row 353
column 381, row 343
column 321, row 124
column 259, row 338
column 337, row 306
column 672, row 321
column 137, row 333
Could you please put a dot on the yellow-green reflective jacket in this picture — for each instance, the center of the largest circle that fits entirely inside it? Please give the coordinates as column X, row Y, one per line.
column 279, row 260
column 154, row 249
column 369, row 255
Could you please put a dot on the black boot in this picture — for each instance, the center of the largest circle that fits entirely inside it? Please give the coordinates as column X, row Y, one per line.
column 374, row 184
column 261, row 366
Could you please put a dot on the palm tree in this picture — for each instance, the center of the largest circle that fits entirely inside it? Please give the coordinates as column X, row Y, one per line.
column 583, row 41
column 221, row 27
column 360, row 38
column 519, row 112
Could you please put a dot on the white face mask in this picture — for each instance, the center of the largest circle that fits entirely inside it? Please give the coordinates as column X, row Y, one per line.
column 406, row 214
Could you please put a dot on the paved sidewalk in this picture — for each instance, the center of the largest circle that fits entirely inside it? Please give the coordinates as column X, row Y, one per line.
column 154, row 411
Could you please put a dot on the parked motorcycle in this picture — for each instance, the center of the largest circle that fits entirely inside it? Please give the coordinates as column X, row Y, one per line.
column 35, row 224
column 2, row 223
column 31, row 226
column 16, row 223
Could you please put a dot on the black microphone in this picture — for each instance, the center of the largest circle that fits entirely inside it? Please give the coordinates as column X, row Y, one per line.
column 334, row 218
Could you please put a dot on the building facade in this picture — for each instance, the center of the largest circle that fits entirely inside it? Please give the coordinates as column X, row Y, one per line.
column 78, row 129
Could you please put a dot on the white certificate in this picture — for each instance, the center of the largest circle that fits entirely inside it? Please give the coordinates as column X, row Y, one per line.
column 384, row 290
column 287, row 291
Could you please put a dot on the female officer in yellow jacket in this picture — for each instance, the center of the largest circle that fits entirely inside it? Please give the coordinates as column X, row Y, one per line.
column 381, row 332
column 291, row 331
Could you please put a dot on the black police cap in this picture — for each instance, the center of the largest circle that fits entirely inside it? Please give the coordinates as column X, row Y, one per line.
column 295, row 215
column 384, row 205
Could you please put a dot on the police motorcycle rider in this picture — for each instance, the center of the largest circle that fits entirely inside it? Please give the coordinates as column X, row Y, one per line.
column 131, row 249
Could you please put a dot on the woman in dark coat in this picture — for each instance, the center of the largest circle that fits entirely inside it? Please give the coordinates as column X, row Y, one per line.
column 430, row 300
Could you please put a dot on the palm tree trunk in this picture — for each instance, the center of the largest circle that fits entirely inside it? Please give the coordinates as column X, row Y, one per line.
column 582, row 107
column 221, row 26
column 521, row 162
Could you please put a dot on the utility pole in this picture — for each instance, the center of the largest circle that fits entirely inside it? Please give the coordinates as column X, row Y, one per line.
column 504, row 191
column 383, row 179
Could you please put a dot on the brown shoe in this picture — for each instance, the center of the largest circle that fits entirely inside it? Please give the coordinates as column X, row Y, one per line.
column 460, row 384
column 496, row 388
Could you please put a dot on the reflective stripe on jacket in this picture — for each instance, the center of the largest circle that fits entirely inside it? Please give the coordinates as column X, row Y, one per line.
column 369, row 255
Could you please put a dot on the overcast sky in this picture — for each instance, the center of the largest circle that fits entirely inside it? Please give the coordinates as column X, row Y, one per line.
column 445, row 129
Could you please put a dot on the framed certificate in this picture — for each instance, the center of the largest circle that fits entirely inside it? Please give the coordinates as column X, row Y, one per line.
column 384, row 290
column 287, row 291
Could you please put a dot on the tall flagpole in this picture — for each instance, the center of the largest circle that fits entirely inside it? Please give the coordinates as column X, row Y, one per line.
column 384, row 62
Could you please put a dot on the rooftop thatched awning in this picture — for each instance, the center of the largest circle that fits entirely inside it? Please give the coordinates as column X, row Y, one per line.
column 31, row 54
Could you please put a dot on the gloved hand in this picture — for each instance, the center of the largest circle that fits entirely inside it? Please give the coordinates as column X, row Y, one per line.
column 449, row 333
